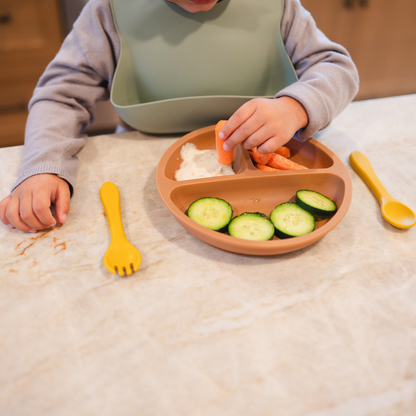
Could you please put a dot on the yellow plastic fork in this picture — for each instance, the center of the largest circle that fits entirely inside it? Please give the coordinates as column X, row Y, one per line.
column 121, row 257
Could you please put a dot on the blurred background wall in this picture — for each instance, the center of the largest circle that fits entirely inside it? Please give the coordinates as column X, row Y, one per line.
column 31, row 32
column 380, row 35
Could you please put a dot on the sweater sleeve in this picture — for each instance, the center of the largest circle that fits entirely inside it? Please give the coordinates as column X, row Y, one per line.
column 328, row 78
column 63, row 103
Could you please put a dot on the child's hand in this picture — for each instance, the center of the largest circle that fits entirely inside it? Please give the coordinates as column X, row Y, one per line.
column 264, row 123
column 27, row 208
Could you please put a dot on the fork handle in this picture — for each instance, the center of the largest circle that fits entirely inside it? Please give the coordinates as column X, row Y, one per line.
column 110, row 197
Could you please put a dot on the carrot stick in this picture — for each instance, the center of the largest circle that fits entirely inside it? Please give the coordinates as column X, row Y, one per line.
column 283, row 151
column 225, row 157
column 259, row 157
column 280, row 162
column 266, row 168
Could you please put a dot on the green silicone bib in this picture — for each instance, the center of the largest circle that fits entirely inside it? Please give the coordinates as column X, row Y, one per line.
column 180, row 71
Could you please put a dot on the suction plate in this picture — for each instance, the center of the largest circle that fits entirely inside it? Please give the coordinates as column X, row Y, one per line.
column 255, row 191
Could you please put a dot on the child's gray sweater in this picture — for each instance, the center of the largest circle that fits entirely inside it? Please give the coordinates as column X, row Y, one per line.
column 62, row 106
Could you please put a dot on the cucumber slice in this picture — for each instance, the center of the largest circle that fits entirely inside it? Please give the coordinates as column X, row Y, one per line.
column 251, row 226
column 290, row 220
column 213, row 213
column 315, row 203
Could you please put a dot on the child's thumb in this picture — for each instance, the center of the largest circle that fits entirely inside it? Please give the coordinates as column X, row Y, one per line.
column 62, row 202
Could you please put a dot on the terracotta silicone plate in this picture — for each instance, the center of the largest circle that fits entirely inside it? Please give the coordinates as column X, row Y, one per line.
column 255, row 191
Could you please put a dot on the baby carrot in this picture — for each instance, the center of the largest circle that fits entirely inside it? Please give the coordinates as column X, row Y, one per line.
column 225, row 157
column 283, row 151
column 280, row 162
column 266, row 168
column 259, row 157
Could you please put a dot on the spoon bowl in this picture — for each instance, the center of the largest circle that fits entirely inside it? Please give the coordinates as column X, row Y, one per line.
column 393, row 211
column 398, row 214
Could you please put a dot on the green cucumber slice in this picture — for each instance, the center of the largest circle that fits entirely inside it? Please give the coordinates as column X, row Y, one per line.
column 213, row 213
column 315, row 203
column 290, row 220
column 251, row 226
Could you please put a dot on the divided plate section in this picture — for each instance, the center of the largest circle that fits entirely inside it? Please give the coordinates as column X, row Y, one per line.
column 205, row 140
column 310, row 154
column 259, row 194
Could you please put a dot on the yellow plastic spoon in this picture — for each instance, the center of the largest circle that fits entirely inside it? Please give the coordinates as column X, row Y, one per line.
column 121, row 257
column 393, row 211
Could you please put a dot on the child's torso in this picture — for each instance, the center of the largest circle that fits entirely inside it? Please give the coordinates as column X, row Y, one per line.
column 234, row 49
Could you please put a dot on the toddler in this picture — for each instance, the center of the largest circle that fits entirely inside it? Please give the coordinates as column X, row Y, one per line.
column 62, row 106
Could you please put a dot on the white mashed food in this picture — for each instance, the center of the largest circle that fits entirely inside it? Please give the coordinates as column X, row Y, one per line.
column 200, row 164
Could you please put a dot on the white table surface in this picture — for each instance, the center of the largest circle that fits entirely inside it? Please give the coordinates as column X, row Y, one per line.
column 329, row 330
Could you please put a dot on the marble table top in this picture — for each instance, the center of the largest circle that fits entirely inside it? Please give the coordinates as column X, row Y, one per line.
column 329, row 330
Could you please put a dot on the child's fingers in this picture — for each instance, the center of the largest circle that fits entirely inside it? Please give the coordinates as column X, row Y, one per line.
column 27, row 208
column 41, row 205
column 239, row 126
column 3, row 205
column 14, row 217
column 247, row 133
column 35, row 212
column 271, row 144
column 62, row 203
column 257, row 139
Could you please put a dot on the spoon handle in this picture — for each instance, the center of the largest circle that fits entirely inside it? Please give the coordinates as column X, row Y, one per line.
column 363, row 167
